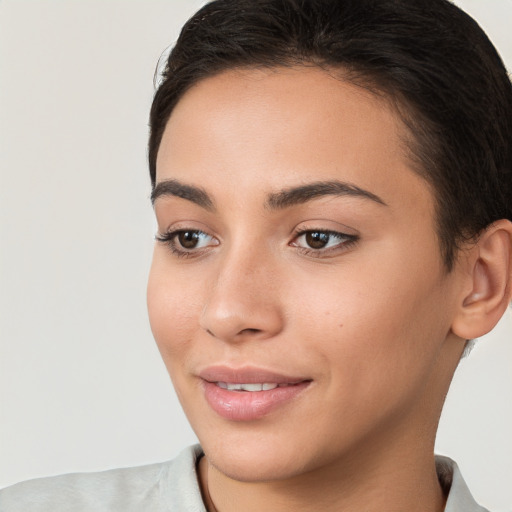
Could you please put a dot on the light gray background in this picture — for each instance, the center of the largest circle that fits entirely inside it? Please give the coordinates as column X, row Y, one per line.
column 82, row 386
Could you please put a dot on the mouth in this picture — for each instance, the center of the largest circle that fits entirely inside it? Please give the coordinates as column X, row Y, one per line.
column 251, row 387
column 249, row 394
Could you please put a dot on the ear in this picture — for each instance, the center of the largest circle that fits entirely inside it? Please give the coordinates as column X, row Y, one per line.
column 487, row 289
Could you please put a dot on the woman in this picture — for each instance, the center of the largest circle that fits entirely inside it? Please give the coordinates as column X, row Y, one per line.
column 331, row 183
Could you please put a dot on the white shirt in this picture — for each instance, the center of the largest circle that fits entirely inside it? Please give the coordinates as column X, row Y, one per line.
column 170, row 486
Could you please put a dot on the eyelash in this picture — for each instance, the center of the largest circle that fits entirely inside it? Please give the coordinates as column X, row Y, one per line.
column 346, row 242
column 169, row 238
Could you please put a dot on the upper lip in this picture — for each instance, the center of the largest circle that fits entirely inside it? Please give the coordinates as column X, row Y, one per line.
column 247, row 375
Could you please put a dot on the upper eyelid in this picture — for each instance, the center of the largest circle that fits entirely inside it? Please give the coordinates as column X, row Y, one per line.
column 176, row 227
column 335, row 232
column 171, row 233
column 302, row 231
column 325, row 225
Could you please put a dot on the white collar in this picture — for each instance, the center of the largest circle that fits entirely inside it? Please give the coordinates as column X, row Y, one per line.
column 459, row 496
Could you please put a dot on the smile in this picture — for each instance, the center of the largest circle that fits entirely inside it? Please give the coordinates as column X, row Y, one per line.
column 249, row 394
column 251, row 387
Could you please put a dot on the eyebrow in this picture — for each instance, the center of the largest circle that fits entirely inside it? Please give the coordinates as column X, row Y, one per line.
column 189, row 192
column 275, row 201
column 304, row 193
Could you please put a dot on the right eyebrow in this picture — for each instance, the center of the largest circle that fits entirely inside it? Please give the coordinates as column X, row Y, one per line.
column 177, row 189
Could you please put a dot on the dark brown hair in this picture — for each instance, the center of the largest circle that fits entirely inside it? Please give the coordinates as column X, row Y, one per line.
column 428, row 56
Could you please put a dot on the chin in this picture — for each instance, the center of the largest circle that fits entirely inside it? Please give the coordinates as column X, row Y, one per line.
column 260, row 456
column 242, row 466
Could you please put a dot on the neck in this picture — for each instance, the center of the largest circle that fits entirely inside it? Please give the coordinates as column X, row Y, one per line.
column 398, row 482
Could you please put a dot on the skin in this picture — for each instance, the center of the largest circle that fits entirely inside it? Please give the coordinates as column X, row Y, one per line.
column 369, row 322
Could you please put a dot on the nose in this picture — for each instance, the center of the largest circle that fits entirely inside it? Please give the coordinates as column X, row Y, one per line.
column 243, row 301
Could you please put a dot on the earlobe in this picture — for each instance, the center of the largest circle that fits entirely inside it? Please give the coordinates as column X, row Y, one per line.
column 489, row 281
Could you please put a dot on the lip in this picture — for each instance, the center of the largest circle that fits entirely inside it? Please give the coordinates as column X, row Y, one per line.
column 246, row 405
column 247, row 375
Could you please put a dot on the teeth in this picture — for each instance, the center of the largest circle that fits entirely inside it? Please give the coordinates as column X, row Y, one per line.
column 247, row 387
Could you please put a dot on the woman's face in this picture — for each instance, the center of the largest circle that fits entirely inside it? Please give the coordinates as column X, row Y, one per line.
column 298, row 256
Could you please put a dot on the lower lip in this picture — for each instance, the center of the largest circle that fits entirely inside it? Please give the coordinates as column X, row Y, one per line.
column 249, row 405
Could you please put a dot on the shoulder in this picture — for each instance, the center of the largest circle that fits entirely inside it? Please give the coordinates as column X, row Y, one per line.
column 459, row 498
column 170, row 485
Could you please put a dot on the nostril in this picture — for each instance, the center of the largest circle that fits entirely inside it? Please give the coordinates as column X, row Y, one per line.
column 250, row 331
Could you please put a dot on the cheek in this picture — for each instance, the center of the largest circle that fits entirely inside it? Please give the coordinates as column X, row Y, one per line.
column 390, row 316
column 375, row 346
column 174, row 308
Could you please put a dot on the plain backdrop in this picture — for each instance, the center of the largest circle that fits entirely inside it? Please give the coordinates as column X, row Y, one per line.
column 82, row 387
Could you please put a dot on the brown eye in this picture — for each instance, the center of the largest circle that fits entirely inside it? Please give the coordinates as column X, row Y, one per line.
column 317, row 239
column 187, row 242
column 323, row 243
column 188, row 239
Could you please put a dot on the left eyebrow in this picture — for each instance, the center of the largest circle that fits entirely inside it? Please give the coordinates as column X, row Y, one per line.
column 304, row 193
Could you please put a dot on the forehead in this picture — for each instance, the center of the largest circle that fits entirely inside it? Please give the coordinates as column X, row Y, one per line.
column 268, row 129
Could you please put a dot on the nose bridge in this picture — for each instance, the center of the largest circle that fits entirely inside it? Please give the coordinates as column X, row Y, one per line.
column 243, row 299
